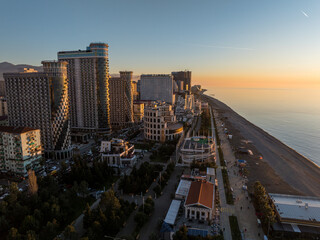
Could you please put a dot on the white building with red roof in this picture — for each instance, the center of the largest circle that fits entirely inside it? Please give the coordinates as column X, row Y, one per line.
column 200, row 201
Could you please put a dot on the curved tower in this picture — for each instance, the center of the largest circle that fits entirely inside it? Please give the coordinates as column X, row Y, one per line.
column 88, row 74
column 59, row 101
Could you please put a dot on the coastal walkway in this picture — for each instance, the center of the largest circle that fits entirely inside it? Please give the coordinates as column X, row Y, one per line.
column 242, row 208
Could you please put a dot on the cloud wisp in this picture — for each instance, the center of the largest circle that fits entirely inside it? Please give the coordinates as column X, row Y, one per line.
column 306, row 15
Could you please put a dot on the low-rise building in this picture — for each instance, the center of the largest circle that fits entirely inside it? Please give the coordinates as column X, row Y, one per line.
column 200, row 201
column 296, row 214
column 118, row 153
column 20, row 149
column 198, row 148
column 160, row 123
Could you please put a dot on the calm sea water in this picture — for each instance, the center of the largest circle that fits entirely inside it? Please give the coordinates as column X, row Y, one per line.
column 291, row 115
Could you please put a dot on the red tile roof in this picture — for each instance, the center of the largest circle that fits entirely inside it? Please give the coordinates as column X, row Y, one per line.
column 201, row 193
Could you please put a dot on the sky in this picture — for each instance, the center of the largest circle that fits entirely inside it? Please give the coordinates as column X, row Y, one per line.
column 230, row 43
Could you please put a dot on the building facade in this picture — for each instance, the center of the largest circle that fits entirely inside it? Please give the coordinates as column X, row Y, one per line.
column 157, row 87
column 197, row 148
column 118, row 153
column 200, row 201
column 20, row 149
column 135, row 91
column 88, row 74
column 3, row 107
column 138, row 111
column 183, row 79
column 40, row 100
column 2, row 89
column 160, row 123
column 121, row 100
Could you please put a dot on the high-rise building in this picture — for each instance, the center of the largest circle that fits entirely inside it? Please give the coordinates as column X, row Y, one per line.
column 3, row 107
column 2, row 89
column 183, row 77
column 40, row 100
column 20, row 149
column 157, row 87
column 121, row 100
column 138, row 111
column 88, row 74
column 135, row 92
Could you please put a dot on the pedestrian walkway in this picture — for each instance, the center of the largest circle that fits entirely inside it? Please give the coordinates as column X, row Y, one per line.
column 242, row 208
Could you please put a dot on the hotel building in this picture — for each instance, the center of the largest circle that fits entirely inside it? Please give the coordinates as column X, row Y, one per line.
column 88, row 74
column 121, row 100
column 160, row 123
column 20, row 149
column 40, row 100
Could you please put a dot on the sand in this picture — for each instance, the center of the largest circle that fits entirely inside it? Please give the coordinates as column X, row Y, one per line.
column 282, row 169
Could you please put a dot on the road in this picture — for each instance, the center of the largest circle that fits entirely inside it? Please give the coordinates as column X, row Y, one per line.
column 224, row 215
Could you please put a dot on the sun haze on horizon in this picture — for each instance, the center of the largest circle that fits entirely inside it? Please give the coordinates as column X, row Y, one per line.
column 224, row 43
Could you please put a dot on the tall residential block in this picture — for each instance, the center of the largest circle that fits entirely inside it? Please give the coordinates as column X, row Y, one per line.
column 88, row 74
column 157, row 87
column 20, row 149
column 40, row 100
column 121, row 100
column 183, row 79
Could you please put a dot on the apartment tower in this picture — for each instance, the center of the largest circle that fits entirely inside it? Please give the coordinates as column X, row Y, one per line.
column 88, row 74
column 121, row 100
column 40, row 100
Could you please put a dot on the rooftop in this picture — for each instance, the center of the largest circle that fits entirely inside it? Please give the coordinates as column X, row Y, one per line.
column 9, row 129
column 297, row 207
column 201, row 193
column 172, row 212
column 183, row 187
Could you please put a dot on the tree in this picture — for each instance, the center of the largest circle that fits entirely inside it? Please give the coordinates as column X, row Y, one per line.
column 140, row 218
column 70, row 233
column 31, row 235
column 29, row 223
column 83, row 188
column 153, row 236
column 14, row 234
column 32, row 180
column 88, row 217
column 181, row 234
column 109, row 201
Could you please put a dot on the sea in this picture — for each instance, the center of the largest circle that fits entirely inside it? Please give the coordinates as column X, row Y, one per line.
column 290, row 115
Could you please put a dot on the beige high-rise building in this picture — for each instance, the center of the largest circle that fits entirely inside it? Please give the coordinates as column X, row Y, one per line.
column 138, row 111
column 135, row 92
column 20, row 149
column 40, row 100
column 160, row 123
column 121, row 100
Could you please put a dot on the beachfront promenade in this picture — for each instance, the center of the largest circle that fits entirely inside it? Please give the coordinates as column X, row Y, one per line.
column 242, row 207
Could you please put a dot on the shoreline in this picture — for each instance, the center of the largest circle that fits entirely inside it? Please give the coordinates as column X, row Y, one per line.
column 294, row 169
